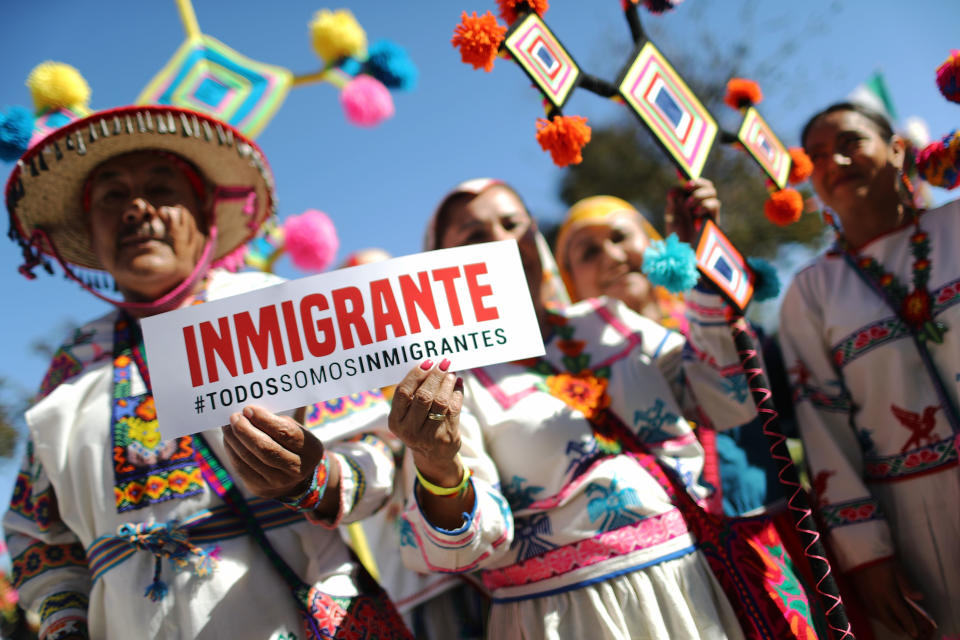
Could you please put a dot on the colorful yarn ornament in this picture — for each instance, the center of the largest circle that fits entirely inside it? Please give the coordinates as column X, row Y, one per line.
column 948, row 76
column 478, row 39
column 389, row 63
column 16, row 127
column 671, row 264
column 366, row 102
column 56, row 85
column 800, row 165
column 336, row 35
column 660, row 6
column 938, row 162
column 564, row 137
column 742, row 93
column 766, row 284
column 311, row 240
column 783, row 207
column 508, row 8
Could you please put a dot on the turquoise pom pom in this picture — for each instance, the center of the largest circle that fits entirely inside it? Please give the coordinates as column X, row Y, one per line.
column 671, row 264
column 767, row 283
column 389, row 63
column 16, row 127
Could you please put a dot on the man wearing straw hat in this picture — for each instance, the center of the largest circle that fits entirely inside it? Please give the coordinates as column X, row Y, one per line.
column 114, row 531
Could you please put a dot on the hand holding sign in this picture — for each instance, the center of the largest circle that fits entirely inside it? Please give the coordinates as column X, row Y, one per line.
column 275, row 456
column 686, row 204
column 338, row 333
column 425, row 415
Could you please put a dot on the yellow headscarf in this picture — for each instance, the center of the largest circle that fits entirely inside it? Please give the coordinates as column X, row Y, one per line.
column 598, row 210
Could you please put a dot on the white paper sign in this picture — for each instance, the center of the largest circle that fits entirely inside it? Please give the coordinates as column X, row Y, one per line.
column 325, row 336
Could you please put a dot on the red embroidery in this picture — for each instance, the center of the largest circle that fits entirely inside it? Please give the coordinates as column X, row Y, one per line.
column 920, row 426
column 820, row 486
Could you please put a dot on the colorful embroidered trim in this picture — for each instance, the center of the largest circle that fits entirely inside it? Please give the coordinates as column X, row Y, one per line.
column 932, row 457
column 851, row 512
column 446, row 492
column 40, row 557
column 61, row 602
column 309, row 499
column 214, row 525
column 888, row 329
column 33, row 507
column 322, row 412
column 66, row 628
column 207, row 527
column 66, row 364
column 359, row 480
column 147, row 469
column 640, row 535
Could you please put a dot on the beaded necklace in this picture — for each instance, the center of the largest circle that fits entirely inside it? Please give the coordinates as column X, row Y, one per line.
column 914, row 308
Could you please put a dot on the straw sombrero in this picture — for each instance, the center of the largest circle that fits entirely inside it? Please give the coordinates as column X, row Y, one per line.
column 44, row 191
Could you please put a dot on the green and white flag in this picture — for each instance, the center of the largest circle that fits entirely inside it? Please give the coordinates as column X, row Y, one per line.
column 875, row 94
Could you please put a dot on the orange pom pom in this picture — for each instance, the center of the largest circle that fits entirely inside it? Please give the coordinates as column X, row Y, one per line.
column 508, row 8
column 742, row 93
column 564, row 137
column 784, row 207
column 801, row 166
column 478, row 39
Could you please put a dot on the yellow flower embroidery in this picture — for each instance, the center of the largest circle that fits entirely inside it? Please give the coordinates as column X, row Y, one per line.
column 584, row 392
column 145, row 432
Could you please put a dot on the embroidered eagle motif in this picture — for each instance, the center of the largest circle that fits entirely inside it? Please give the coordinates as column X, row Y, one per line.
column 920, row 425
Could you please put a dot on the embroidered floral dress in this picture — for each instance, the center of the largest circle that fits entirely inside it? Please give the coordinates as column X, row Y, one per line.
column 96, row 462
column 572, row 538
column 882, row 455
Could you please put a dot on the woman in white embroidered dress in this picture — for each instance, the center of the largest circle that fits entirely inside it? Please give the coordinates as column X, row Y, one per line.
column 574, row 539
column 878, row 435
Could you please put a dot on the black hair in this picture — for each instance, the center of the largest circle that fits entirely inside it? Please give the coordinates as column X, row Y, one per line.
column 884, row 128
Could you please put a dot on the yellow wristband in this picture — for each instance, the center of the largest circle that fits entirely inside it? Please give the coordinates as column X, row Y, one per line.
column 446, row 491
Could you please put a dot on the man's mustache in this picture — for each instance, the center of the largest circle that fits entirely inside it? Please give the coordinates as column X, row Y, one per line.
column 152, row 229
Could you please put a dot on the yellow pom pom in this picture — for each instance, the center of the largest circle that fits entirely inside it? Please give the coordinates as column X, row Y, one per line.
column 336, row 34
column 56, row 85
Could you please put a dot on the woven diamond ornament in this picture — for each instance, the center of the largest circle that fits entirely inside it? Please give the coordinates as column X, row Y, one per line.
column 207, row 75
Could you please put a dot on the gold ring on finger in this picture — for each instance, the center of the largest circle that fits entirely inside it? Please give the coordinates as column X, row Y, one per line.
column 436, row 416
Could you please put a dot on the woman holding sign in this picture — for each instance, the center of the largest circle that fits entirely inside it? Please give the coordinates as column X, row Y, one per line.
column 116, row 532
column 871, row 331
column 551, row 475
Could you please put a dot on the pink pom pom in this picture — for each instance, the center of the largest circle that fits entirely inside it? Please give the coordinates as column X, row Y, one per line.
column 366, row 101
column 233, row 261
column 311, row 240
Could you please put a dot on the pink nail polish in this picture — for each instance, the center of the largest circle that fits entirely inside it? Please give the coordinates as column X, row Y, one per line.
column 458, row 385
column 444, row 364
column 426, row 364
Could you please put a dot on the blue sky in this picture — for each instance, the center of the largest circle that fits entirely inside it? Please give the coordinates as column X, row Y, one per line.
column 379, row 185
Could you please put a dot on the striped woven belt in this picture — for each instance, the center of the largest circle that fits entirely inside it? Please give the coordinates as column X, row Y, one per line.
column 181, row 539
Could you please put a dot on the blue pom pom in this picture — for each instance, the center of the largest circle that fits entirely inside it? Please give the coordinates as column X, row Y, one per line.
column 389, row 63
column 16, row 127
column 767, row 283
column 351, row 66
column 157, row 591
column 671, row 264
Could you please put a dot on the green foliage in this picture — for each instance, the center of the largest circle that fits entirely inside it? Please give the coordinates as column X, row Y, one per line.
column 8, row 430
